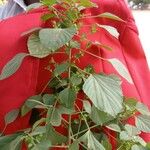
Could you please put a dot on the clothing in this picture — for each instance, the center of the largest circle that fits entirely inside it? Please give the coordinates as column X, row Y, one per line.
column 12, row 8
column 32, row 76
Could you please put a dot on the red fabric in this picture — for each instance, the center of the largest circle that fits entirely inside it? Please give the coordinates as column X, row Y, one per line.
column 31, row 77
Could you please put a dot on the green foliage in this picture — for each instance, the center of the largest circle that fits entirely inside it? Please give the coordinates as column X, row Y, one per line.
column 142, row 122
column 105, row 93
column 55, row 38
column 67, row 97
column 11, row 116
column 11, row 142
column 83, row 105
column 92, row 142
column 122, row 70
column 12, row 66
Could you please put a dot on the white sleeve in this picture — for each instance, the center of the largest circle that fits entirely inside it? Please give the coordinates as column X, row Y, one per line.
column 10, row 9
column 1, row 11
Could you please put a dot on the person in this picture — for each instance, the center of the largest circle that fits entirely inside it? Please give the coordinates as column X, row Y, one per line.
column 14, row 7
column 30, row 80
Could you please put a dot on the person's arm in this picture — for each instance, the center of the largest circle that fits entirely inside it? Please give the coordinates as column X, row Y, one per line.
column 1, row 11
column 11, row 8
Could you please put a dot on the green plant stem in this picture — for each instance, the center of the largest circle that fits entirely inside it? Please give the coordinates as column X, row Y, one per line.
column 45, row 86
column 89, row 17
column 120, row 146
column 54, row 107
column 93, row 54
column 85, row 130
column 79, row 69
column 55, row 146
column 3, row 130
column 32, row 138
column 69, row 70
column 40, row 103
column 69, row 132
column 83, row 117
column 65, row 120
column 85, row 51
column 111, row 135
column 75, row 139
column 79, row 128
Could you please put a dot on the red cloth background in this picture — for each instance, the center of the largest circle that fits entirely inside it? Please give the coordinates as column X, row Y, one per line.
column 31, row 77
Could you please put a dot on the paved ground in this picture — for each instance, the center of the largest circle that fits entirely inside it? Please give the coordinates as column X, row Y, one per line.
column 143, row 22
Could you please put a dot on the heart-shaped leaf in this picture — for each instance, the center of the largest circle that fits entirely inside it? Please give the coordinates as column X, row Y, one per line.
column 35, row 47
column 55, row 38
column 105, row 93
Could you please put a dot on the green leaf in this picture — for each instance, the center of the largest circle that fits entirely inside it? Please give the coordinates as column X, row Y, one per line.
column 43, row 145
column 55, row 38
column 137, row 147
column 132, row 130
column 16, row 144
column 67, row 97
column 48, row 2
column 130, row 104
column 110, row 16
column 11, row 142
column 54, row 136
column 38, row 130
column 55, row 117
column 87, row 106
column 99, row 117
column 31, row 31
column 35, row 47
column 87, row 3
column 48, row 99
column 130, row 133
column 105, row 93
column 91, row 141
column 106, row 143
column 11, row 116
column 143, row 123
column 75, row 80
column 46, row 17
column 121, row 69
column 139, row 140
column 102, row 45
column 74, row 145
column 74, row 44
column 114, row 127
column 12, row 66
column 64, row 110
column 61, row 68
column 125, row 136
column 72, row 14
column 33, row 101
column 5, row 140
column 38, row 122
column 148, row 146
column 30, row 103
column 143, row 109
column 110, row 29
